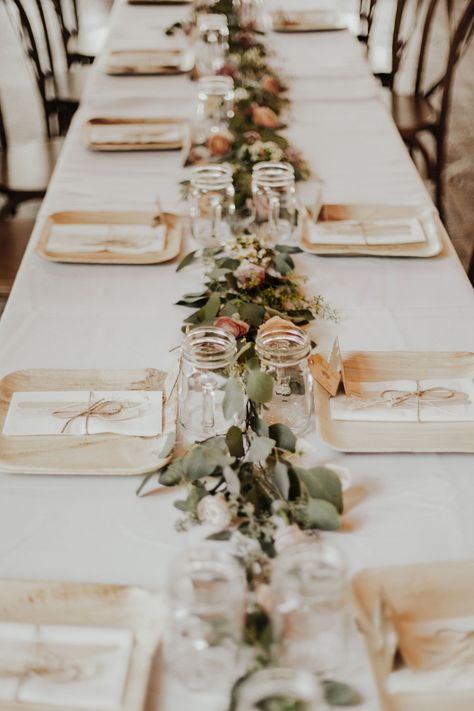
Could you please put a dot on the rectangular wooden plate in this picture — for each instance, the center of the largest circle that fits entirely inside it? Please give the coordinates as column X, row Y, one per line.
column 90, row 455
column 421, row 592
column 429, row 218
column 366, row 366
column 309, row 21
column 185, row 64
column 134, row 146
column 77, row 604
column 176, row 227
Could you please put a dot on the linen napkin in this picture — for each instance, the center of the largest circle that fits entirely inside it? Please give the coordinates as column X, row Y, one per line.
column 130, row 412
column 143, row 61
column 366, row 232
column 119, row 239
column 314, row 19
column 394, row 401
column 136, row 133
column 83, row 667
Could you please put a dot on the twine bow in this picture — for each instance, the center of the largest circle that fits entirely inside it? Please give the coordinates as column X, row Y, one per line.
column 104, row 409
column 448, row 647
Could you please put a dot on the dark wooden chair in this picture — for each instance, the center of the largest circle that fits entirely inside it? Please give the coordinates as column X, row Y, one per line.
column 14, row 236
column 70, row 35
column 366, row 17
column 60, row 91
column 470, row 271
column 416, row 115
column 25, row 168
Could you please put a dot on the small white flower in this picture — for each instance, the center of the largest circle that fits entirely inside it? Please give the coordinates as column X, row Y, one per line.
column 214, row 511
column 241, row 94
column 286, row 536
column 265, row 150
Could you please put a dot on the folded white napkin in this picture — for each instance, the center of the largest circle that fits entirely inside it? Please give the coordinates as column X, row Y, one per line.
column 453, row 677
column 139, row 133
column 83, row 667
column 366, row 232
column 119, row 239
column 366, row 402
column 143, row 60
column 316, row 19
column 129, row 412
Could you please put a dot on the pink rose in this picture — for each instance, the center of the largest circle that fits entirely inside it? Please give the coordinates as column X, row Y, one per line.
column 219, row 143
column 236, row 327
column 270, row 84
column 229, row 70
column 251, row 136
column 249, row 275
column 263, row 116
column 245, row 39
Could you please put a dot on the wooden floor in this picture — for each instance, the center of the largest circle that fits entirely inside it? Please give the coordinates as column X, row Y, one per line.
column 24, row 120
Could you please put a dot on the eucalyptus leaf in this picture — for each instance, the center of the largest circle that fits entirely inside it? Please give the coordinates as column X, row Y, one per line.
column 259, row 386
column 252, row 313
column 281, row 265
column 321, row 514
column 188, row 259
column 247, row 351
column 281, row 479
column 233, row 404
column 283, row 436
column 173, row 474
column 232, row 481
column 259, row 426
column 288, row 249
column 260, row 449
column 322, row 483
column 224, row 535
column 339, row 694
column 211, row 309
column 235, row 442
column 203, row 461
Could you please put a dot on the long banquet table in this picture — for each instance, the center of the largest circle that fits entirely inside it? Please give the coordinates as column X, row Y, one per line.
column 400, row 508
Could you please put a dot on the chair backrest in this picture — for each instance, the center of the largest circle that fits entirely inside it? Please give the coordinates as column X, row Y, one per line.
column 3, row 133
column 366, row 17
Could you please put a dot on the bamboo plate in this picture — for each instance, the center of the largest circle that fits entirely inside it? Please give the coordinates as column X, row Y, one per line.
column 77, row 604
column 417, row 592
column 91, row 455
column 176, row 229
column 152, row 145
column 430, row 222
column 148, row 62
column 159, row 2
column 308, row 21
column 352, row 436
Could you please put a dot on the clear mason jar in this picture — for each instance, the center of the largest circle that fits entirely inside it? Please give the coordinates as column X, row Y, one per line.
column 274, row 199
column 207, row 355
column 212, row 204
column 207, row 592
column 310, row 613
column 212, row 43
column 283, row 353
column 296, row 687
column 215, row 105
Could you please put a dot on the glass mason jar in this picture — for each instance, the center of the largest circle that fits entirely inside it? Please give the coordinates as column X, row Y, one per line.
column 298, row 688
column 207, row 354
column 215, row 105
column 207, row 591
column 212, row 43
column 212, row 204
column 283, row 353
column 274, row 199
column 310, row 614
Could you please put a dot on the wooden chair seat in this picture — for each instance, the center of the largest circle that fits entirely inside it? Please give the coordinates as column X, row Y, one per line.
column 14, row 236
column 413, row 114
column 27, row 167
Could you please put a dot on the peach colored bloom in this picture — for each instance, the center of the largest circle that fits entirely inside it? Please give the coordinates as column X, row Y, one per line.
column 275, row 324
column 219, row 143
column 233, row 325
column 270, row 84
column 249, row 275
column 264, row 116
column 214, row 510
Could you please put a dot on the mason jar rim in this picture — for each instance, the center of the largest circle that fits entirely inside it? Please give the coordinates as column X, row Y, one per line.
column 213, row 21
column 268, row 346
column 334, row 562
column 211, row 176
column 273, row 174
column 279, row 681
column 209, row 347
column 217, row 84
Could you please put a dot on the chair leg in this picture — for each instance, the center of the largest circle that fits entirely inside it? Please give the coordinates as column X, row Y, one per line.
column 470, row 271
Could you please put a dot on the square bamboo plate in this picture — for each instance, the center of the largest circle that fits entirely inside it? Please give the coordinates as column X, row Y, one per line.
column 417, row 592
column 152, row 145
column 361, row 366
column 91, row 455
column 429, row 218
column 77, row 604
column 148, row 62
column 308, row 21
column 176, row 227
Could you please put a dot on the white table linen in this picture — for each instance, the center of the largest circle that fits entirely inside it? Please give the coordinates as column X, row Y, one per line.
column 400, row 508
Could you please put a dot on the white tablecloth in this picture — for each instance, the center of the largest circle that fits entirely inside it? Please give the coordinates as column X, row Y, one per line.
column 400, row 508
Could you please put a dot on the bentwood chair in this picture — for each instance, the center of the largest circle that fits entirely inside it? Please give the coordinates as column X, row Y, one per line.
column 14, row 236
column 366, row 17
column 70, row 35
column 59, row 91
column 470, row 271
column 416, row 115
column 25, row 168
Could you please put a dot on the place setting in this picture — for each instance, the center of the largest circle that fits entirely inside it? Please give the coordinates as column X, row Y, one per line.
column 115, row 133
column 148, row 62
column 323, row 20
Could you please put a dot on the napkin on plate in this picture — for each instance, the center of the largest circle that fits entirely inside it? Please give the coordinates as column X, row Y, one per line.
column 366, row 232
column 83, row 667
column 139, row 133
column 439, row 655
column 129, row 412
column 367, row 404
column 143, row 60
column 316, row 19
column 119, row 239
